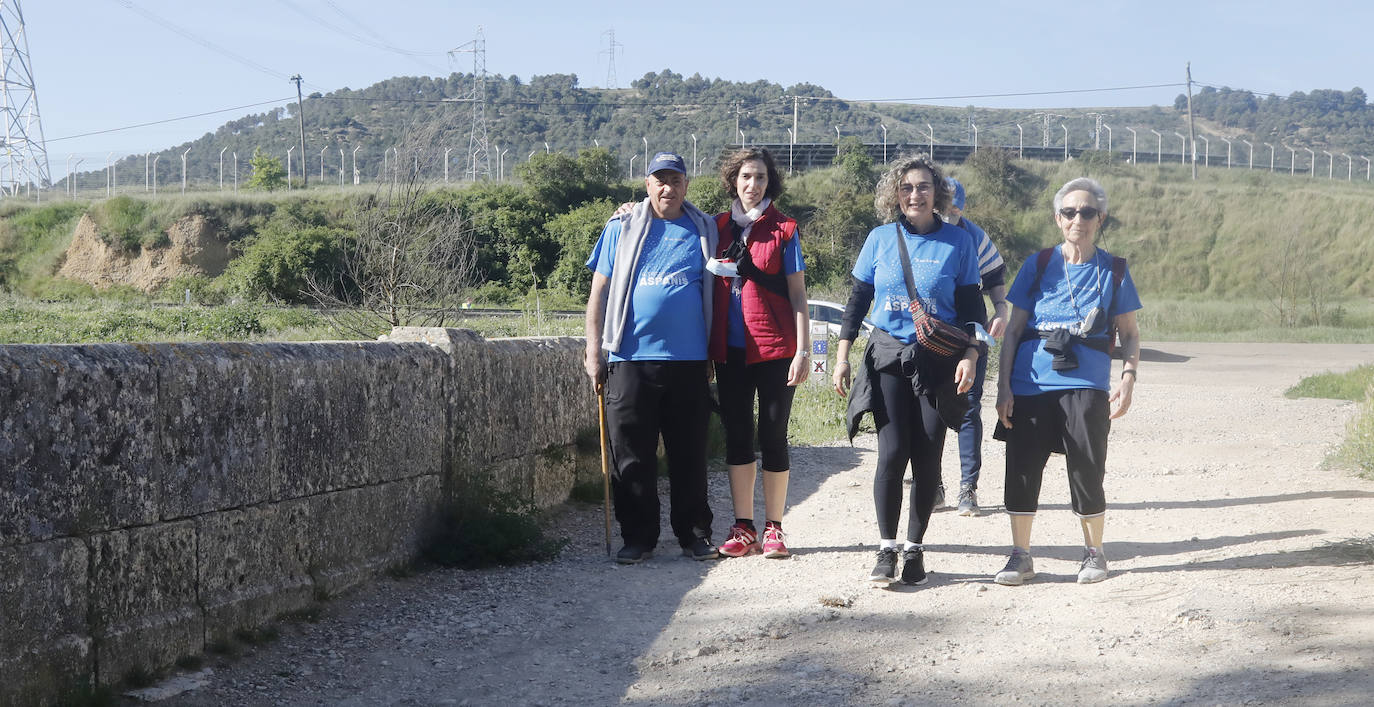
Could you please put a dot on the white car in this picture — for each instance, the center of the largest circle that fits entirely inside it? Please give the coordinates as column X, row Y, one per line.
column 831, row 314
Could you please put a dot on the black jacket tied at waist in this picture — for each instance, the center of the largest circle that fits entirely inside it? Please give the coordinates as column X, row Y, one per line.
column 929, row 375
column 1060, row 343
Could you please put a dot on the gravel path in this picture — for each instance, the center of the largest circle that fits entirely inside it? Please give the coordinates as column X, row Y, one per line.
column 1236, row 579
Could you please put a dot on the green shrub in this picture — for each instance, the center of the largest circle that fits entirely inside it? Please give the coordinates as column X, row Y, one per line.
column 483, row 527
column 202, row 289
column 277, row 262
column 122, row 223
column 576, row 232
column 235, row 322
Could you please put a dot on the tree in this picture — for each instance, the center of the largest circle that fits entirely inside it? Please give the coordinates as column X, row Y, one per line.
column 268, row 174
column 410, row 262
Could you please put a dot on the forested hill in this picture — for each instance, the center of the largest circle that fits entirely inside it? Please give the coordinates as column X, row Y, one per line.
column 1339, row 121
column 663, row 111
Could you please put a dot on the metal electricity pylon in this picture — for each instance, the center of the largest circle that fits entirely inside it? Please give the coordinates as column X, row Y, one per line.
column 23, row 156
column 609, row 51
column 478, row 156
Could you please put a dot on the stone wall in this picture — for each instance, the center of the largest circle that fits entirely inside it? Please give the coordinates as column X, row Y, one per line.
column 154, row 499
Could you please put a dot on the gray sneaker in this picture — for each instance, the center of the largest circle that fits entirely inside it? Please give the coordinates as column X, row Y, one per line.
column 1094, row 567
column 1019, row 569
column 968, row 501
column 939, row 498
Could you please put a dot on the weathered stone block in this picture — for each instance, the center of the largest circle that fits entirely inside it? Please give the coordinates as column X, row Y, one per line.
column 144, row 613
column 77, row 442
column 535, row 393
column 215, row 414
column 44, row 645
column 253, row 564
column 319, row 422
column 407, row 410
column 359, row 532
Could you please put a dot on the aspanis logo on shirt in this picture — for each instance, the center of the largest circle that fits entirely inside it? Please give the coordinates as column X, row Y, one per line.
column 662, row 278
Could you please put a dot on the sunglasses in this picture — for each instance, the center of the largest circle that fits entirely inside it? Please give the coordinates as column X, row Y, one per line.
column 1087, row 212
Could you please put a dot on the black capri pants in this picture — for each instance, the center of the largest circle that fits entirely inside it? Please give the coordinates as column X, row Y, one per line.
column 736, row 383
column 1075, row 422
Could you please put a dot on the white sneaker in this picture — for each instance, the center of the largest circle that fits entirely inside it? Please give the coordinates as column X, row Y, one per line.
column 1019, row 569
column 1094, row 567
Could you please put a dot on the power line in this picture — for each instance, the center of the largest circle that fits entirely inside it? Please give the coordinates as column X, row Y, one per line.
column 202, row 41
column 169, row 120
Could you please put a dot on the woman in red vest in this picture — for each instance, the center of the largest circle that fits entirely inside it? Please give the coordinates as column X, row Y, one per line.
column 762, row 348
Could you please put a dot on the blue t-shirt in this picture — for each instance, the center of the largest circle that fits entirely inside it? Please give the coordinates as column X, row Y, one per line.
column 940, row 262
column 1062, row 304
column 791, row 264
column 665, row 318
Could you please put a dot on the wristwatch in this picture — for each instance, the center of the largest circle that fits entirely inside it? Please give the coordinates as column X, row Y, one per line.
column 805, row 353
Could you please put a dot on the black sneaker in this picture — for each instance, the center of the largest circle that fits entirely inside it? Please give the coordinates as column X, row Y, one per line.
column 939, row 501
column 886, row 569
column 913, row 567
column 633, row 554
column 701, row 549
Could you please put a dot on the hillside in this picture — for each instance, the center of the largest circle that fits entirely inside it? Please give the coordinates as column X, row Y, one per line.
column 1231, row 234
column 422, row 117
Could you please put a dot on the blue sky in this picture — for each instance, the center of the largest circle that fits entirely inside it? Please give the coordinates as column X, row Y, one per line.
column 106, row 64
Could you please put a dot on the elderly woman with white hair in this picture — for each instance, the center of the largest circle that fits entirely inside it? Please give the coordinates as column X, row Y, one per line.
column 1054, row 389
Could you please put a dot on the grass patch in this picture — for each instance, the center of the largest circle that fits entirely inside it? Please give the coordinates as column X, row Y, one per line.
column 1350, row 385
column 483, row 527
column 1357, row 450
column 84, row 694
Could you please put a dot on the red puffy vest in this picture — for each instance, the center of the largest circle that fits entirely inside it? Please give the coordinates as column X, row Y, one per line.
column 770, row 326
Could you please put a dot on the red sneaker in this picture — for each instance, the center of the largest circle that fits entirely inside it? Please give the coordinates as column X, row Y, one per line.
column 774, row 542
column 742, row 541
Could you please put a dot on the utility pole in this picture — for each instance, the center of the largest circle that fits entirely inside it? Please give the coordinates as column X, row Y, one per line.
column 300, row 116
column 1191, row 133
column 1097, row 131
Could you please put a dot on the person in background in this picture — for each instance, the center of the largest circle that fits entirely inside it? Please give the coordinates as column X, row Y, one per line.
column 898, row 378
column 761, row 348
column 993, row 275
column 1068, row 305
column 648, row 319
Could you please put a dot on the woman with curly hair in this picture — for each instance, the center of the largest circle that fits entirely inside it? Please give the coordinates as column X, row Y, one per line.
column 899, row 378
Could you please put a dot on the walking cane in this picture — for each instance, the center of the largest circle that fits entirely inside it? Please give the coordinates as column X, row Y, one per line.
column 605, row 460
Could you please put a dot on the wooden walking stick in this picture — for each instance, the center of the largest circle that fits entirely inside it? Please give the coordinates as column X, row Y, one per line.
column 605, row 460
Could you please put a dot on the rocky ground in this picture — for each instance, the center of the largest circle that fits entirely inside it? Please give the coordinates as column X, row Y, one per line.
column 1242, row 572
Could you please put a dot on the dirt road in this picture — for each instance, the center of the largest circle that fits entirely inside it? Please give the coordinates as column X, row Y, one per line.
column 1233, row 581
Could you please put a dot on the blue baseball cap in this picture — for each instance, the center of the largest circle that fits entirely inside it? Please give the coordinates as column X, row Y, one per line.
column 956, row 192
column 666, row 160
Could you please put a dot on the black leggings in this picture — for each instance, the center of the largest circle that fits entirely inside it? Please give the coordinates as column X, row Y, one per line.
column 737, row 383
column 909, row 430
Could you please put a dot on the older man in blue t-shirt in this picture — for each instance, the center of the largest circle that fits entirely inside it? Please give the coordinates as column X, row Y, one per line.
column 648, row 319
